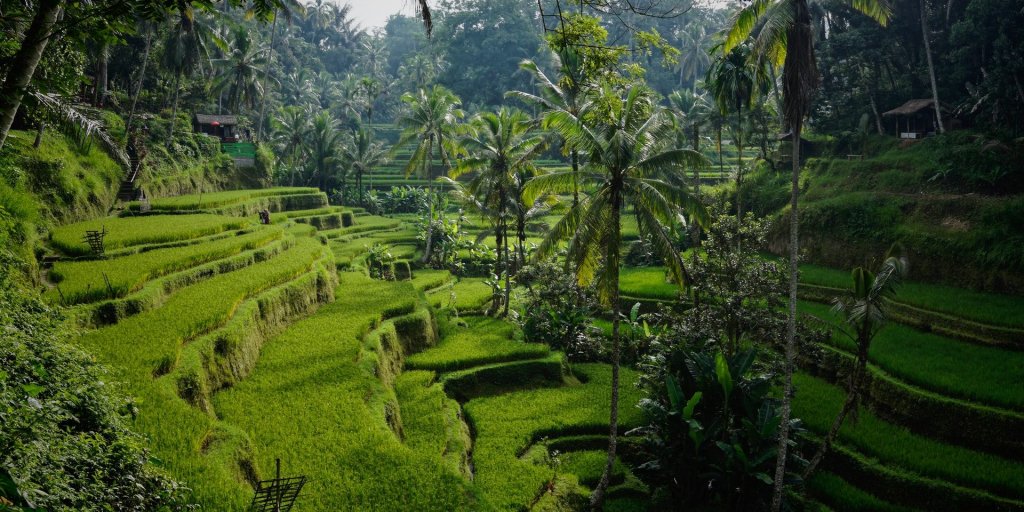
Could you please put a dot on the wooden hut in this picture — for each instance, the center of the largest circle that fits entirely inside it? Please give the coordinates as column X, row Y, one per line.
column 224, row 128
column 914, row 119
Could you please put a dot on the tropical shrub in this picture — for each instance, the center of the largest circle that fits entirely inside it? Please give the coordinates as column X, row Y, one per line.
column 557, row 311
column 380, row 262
column 711, row 439
column 64, row 437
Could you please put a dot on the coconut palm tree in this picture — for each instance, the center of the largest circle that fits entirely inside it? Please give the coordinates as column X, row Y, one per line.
column 185, row 50
column 291, row 127
column 731, row 80
column 287, row 9
column 628, row 165
column 500, row 149
column 785, row 37
column 239, row 70
column 322, row 148
column 361, row 155
column 567, row 94
column 688, row 111
column 865, row 313
column 430, row 120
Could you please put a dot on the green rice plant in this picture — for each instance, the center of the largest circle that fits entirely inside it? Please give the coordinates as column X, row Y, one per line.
column 283, row 216
column 816, row 402
column 841, row 496
column 988, row 375
column 365, row 224
column 313, row 402
column 987, row 308
column 426, row 279
column 469, row 293
column 129, row 231
column 221, row 199
column 647, row 283
column 431, row 421
column 507, row 424
column 484, row 341
column 588, row 466
column 85, row 281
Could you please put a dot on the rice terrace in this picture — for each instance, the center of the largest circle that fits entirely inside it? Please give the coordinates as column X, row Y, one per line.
column 506, row 255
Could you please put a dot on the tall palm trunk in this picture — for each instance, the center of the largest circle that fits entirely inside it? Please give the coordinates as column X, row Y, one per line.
column 612, row 260
column 695, row 231
column 790, row 351
column 430, row 200
column 931, row 67
column 508, row 268
column 138, row 87
column 739, row 166
column 99, row 93
column 174, row 111
column 575, row 157
column 852, row 398
column 23, row 65
column 266, row 73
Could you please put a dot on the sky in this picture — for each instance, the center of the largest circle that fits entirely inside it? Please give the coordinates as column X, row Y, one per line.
column 374, row 13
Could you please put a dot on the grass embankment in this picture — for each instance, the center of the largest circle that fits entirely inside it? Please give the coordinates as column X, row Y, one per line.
column 191, row 445
column 222, row 199
column 508, row 424
column 466, row 294
column 486, row 341
column 988, row 308
column 817, row 402
column 83, row 281
column 312, row 402
column 841, row 496
column 988, row 375
column 129, row 231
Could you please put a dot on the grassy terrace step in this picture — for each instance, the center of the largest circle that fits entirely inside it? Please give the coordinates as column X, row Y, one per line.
column 220, row 199
column 426, row 280
column 839, row 495
column 467, row 294
column 314, row 402
column 816, row 403
column 192, row 445
column 130, row 231
column 431, row 421
column 484, row 341
column 85, row 281
column 368, row 223
column 506, row 425
column 987, row 375
column 985, row 308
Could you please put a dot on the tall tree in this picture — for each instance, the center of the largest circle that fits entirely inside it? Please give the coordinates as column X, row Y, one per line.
column 688, row 109
column 361, row 155
column 291, row 127
column 865, row 313
column 23, row 65
column 627, row 166
column 500, row 149
column 322, row 148
column 238, row 71
column 731, row 79
column 786, row 38
column 185, row 50
column 429, row 121
column 931, row 65
column 567, row 94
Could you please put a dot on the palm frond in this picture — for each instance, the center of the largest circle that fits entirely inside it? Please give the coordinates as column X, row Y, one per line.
column 79, row 126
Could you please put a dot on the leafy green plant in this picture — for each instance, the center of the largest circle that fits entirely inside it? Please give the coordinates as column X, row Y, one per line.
column 557, row 311
column 380, row 262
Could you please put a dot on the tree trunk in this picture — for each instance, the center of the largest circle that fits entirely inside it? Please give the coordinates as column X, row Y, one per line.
column 138, row 88
column 39, row 135
column 508, row 269
column 23, row 65
column 790, row 353
column 931, row 68
column 739, row 165
column 99, row 91
column 575, row 157
column 430, row 202
column 695, row 230
column 174, row 110
column 612, row 260
column 852, row 398
column 878, row 118
column 266, row 73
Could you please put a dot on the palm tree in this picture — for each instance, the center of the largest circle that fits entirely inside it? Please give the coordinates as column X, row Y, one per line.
column 361, row 155
column 287, row 8
column 627, row 167
column 688, row 110
column 239, row 71
column 731, row 80
column 430, row 120
column 322, row 147
column 931, row 66
column 786, row 38
column 865, row 313
column 185, row 50
column 567, row 94
column 500, row 150
column 291, row 128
